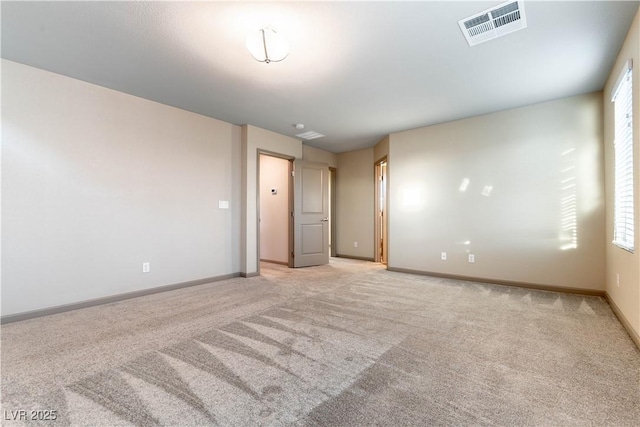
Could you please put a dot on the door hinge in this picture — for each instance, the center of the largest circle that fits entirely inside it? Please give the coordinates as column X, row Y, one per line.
column 293, row 255
column 293, row 173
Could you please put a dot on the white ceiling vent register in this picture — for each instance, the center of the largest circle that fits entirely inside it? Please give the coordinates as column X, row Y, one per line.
column 309, row 135
column 493, row 23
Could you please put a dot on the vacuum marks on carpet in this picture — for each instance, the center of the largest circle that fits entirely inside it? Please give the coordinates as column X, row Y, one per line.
column 267, row 368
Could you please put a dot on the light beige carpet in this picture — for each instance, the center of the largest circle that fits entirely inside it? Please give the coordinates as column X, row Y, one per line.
column 345, row 344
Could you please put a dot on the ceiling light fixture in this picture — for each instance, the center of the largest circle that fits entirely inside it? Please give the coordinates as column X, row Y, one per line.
column 266, row 45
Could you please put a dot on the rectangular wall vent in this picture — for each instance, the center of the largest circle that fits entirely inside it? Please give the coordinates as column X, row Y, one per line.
column 493, row 23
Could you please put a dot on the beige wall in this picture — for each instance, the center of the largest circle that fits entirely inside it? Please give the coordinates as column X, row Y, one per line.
column 381, row 149
column 354, row 200
column 526, row 161
column 313, row 154
column 626, row 296
column 254, row 140
column 95, row 182
column 274, row 209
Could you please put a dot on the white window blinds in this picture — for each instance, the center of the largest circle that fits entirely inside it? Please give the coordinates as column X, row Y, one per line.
column 623, row 235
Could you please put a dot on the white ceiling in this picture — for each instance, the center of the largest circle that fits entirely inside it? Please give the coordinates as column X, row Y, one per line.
column 356, row 71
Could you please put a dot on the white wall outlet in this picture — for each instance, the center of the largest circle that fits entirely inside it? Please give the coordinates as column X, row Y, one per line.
column 443, row 256
column 472, row 258
column 355, row 244
column 146, row 267
column 223, row 204
column 618, row 279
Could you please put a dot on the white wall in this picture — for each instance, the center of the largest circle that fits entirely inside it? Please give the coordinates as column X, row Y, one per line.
column 95, row 182
column 624, row 292
column 274, row 209
column 534, row 160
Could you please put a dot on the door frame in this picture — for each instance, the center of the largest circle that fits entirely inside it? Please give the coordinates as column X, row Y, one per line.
column 332, row 212
column 384, row 221
column 290, row 159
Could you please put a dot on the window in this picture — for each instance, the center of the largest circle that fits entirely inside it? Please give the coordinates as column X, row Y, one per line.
column 623, row 221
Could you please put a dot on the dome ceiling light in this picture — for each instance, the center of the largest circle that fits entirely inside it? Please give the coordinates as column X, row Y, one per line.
column 266, row 45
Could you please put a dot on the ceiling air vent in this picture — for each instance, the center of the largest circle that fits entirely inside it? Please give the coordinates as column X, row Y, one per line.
column 310, row 135
column 493, row 23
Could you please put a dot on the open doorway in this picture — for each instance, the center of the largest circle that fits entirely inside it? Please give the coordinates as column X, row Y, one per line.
column 332, row 212
column 381, row 251
column 295, row 204
column 275, row 197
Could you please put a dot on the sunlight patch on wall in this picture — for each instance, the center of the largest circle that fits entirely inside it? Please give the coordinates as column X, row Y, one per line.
column 464, row 185
column 413, row 199
column 568, row 235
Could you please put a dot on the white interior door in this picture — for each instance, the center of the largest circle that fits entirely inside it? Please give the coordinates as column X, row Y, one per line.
column 311, row 214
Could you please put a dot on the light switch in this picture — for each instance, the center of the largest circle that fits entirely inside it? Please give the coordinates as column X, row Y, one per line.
column 223, row 204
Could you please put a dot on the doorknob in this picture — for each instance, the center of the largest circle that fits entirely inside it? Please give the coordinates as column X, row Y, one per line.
column 325, row 219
